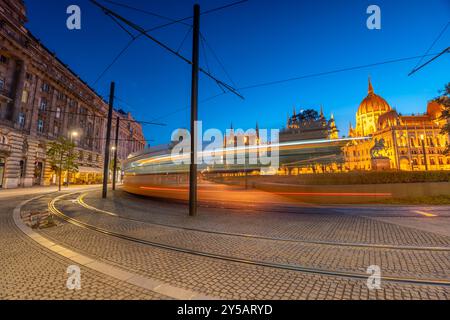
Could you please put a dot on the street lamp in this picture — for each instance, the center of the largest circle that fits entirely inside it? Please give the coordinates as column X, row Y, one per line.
column 73, row 134
column 422, row 138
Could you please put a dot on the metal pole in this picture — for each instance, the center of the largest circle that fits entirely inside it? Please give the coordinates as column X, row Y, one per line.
column 115, row 154
column 194, row 112
column 108, row 141
column 60, row 169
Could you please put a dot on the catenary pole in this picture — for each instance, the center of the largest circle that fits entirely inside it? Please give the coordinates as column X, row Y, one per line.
column 194, row 113
column 108, row 141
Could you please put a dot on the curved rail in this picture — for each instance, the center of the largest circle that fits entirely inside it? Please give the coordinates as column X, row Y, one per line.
column 81, row 202
column 404, row 280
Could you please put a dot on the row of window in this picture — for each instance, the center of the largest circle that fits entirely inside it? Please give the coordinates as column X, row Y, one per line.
column 365, row 152
column 431, row 161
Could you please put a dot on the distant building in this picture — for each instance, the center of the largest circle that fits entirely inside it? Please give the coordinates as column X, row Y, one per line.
column 42, row 99
column 309, row 125
column 400, row 138
column 322, row 149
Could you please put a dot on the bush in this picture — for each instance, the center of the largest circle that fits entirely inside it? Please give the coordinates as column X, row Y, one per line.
column 372, row 177
column 349, row 178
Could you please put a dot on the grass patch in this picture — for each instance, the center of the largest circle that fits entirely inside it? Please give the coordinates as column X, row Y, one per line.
column 427, row 200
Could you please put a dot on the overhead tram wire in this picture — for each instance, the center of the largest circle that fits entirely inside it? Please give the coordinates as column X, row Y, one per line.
column 297, row 78
column 147, row 12
column 124, row 140
column 127, row 46
column 432, row 45
column 184, row 40
column 104, row 117
column 313, row 75
column 129, row 43
column 172, row 21
column 122, row 27
column 187, row 107
column 229, row 5
column 216, row 57
column 133, row 108
column 205, row 56
column 145, row 33
column 429, row 61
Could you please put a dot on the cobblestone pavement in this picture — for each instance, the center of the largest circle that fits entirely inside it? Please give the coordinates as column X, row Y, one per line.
column 407, row 263
column 28, row 271
column 32, row 272
column 226, row 279
column 306, row 223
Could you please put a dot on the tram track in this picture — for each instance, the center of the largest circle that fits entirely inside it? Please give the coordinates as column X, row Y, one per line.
column 280, row 266
column 81, row 202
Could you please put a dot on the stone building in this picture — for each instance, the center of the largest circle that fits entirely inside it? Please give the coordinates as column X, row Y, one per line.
column 42, row 99
column 309, row 125
column 402, row 139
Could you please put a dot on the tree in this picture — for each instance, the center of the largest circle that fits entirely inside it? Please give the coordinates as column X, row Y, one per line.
column 444, row 100
column 62, row 157
column 309, row 115
column 111, row 165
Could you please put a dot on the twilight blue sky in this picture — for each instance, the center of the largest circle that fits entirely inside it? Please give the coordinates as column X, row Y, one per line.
column 257, row 41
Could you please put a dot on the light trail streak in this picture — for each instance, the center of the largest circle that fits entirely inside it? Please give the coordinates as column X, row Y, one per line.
column 426, row 214
column 254, row 148
column 322, row 194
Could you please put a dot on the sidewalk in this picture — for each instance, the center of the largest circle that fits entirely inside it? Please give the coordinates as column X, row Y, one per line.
column 7, row 193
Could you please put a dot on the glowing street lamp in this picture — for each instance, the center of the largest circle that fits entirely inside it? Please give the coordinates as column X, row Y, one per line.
column 73, row 134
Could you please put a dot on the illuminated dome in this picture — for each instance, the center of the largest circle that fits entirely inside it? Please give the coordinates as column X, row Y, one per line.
column 373, row 103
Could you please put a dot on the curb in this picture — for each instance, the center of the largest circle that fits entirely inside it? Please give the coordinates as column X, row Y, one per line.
column 150, row 284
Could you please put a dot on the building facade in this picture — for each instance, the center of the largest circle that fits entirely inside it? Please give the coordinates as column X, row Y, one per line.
column 309, row 125
column 41, row 99
column 406, row 142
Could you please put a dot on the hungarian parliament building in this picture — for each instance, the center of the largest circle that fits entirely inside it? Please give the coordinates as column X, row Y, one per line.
column 384, row 139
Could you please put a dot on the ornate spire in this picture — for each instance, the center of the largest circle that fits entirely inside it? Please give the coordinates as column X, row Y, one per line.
column 294, row 114
column 370, row 86
column 321, row 112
